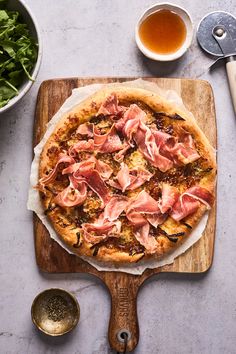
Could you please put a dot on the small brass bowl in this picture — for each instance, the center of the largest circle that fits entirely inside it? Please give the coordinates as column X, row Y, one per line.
column 55, row 312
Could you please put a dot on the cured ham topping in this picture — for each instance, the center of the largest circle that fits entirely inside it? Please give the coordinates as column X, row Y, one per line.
column 143, row 209
column 146, row 143
column 85, row 129
column 143, row 203
column 109, row 142
column 82, row 145
column 107, row 224
column 93, row 239
column 101, row 230
column 180, row 150
column 156, row 219
column 110, row 106
column 115, row 207
column 135, row 130
column 93, row 233
column 169, row 197
column 145, row 239
column 130, row 122
column 103, row 168
column 89, row 172
column 83, row 165
column 75, row 194
column 160, row 149
column 104, row 143
column 130, row 179
column 95, row 182
column 119, row 156
column 63, row 158
column 201, row 194
column 190, row 201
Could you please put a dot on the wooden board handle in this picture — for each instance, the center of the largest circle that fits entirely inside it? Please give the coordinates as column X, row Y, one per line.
column 231, row 72
column 123, row 289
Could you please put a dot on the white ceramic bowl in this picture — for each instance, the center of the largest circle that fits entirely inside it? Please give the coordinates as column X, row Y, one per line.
column 29, row 19
column 184, row 15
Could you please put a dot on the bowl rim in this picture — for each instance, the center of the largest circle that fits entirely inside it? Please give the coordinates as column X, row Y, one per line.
column 189, row 36
column 34, row 74
column 48, row 290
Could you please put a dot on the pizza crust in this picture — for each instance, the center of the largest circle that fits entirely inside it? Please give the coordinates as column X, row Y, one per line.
column 82, row 113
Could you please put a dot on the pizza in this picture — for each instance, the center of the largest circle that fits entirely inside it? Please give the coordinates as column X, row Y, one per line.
column 126, row 175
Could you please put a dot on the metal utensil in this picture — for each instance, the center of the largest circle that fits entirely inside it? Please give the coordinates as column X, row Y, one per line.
column 55, row 312
column 216, row 34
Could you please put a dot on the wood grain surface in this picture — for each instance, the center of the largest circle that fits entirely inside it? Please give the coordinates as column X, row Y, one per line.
column 198, row 98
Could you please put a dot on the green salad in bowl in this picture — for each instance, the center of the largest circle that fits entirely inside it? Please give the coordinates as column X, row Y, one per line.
column 20, row 52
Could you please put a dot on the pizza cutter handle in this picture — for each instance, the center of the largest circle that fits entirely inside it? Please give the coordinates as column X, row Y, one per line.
column 123, row 330
column 231, row 73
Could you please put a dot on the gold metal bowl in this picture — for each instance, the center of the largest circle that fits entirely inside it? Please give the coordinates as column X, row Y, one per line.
column 55, row 312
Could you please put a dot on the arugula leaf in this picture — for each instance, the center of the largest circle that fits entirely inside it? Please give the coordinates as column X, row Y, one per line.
column 18, row 53
column 3, row 16
column 6, row 93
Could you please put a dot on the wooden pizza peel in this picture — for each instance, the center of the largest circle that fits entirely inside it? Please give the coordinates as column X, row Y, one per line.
column 198, row 97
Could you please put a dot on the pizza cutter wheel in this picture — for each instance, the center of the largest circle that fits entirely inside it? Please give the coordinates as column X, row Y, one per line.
column 216, row 34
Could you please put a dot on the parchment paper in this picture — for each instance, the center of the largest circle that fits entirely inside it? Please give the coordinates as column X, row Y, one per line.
column 34, row 203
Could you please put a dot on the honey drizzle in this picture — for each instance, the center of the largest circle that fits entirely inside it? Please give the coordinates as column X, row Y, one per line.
column 163, row 32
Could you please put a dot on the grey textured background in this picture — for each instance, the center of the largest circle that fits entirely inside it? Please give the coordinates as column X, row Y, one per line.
column 179, row 314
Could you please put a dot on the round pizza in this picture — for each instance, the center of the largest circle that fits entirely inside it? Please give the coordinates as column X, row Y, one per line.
column 126, row 175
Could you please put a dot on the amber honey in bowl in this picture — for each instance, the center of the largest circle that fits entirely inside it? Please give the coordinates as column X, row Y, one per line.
column 163, row 32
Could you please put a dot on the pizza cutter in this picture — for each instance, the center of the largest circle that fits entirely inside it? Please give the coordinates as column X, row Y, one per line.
column 216, row 34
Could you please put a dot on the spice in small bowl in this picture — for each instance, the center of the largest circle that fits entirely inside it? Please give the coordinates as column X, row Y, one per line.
column 55, row 312
column 164, row 32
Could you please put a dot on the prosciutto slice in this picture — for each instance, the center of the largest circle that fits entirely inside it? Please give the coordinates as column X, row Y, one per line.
column 123, row 178
column 134, row 128
column 138, row 178
column 132, row 115
column 115, row 207
column 74, row 194
column 143, row 203
column 146, row 142
column 63, row 158
column 93, row 239
column 92, row 172
column 179, row 151
column 130, row 123
column 119, row 156
column 93, row 179
column 100, row 230
column 104, row 143
column 85, row 129
column 189, row 202
column 110, row 106
column 82, row 145
column 144, row 208
column 169, row 197
column 142, row 235
column 107, row 224
column 103, row 168
column 109, row 142
column 130, row 179
column 83, row 165
column 161, row 149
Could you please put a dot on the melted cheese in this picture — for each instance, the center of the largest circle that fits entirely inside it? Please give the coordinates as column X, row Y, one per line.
column 136, row 159
column 127, row 232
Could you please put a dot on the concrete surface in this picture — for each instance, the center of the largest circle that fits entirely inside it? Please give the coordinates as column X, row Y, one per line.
column 178, row 314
